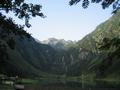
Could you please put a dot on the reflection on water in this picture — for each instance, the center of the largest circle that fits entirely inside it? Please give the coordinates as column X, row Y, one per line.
column 73, row 85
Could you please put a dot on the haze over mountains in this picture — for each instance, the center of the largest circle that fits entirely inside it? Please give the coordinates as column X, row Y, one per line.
column 58, row 44
column 31, row 57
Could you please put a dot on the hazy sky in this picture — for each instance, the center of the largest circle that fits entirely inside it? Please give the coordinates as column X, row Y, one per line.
column 67, row 22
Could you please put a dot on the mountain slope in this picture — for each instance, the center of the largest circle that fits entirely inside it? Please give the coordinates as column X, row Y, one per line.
column 102, row 62
column 21, row 54
column 29, row 57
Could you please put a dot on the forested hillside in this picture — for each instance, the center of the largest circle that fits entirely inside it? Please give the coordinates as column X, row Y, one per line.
column 100, row 49
column 21, row 54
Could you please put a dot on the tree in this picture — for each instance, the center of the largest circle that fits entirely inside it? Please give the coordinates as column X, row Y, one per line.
column 21, row 9
column 105, row 3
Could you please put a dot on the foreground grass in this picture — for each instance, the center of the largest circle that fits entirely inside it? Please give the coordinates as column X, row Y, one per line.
column 6, row 87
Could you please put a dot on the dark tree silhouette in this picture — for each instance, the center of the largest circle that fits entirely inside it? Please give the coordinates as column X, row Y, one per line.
column 21, row 9
column 105, row 3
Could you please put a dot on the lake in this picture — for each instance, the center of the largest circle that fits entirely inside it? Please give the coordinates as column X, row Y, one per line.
column 73, row 85
column 46, row 84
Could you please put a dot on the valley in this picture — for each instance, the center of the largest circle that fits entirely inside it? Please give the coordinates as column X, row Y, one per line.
column 95, row 57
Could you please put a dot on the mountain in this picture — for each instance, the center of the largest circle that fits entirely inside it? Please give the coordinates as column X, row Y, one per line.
column 28, row 57
column 58, row 44
column 91, row 59
column 21, row 54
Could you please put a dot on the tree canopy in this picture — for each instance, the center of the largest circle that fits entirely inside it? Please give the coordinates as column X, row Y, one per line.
column 105, row 3
column 21, row 9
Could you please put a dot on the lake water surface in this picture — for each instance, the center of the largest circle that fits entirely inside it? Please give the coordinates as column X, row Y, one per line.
column 73, row 85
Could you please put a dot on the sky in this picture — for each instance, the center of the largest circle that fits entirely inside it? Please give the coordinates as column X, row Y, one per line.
column 66, row 22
